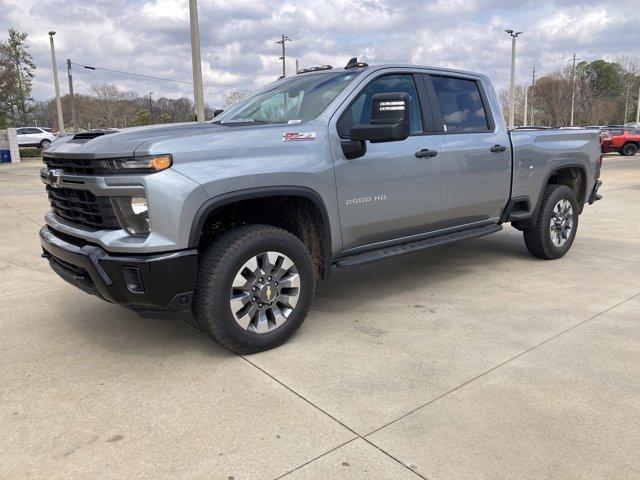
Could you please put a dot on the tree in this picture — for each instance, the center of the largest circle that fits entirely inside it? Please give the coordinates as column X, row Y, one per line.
column 234, row 97
column 16, row 79
column 142, row 117
column 552, row 94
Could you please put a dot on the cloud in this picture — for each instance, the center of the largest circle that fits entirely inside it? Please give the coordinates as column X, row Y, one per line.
column 238, row 38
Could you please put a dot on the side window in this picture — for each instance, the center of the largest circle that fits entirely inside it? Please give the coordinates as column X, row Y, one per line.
column 359, row 112
column 460, row 104
column 21, row 131
column 33, row 130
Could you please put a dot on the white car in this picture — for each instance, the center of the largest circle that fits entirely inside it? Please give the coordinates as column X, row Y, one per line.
column 34, row 137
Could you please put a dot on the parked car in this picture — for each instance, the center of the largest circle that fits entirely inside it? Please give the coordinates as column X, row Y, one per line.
column 235, row 220
column 34, row 137
column 606, row 141
column 625, row 141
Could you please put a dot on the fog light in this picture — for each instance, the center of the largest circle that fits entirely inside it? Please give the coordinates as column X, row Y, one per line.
column 132, row 213
column 139, row 205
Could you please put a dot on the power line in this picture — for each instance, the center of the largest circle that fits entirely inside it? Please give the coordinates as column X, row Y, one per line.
column 164, row 79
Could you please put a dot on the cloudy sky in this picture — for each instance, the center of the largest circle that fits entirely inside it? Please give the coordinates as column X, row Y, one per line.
column 238, row 37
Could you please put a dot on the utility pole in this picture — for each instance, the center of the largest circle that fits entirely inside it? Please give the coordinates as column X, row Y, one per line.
column 626, row 104
column 297, row 67
column 526, row 97
column 74, row 115
column 283, row 57
column 573, row 86
column 198, row 95
column 151, row 107
column 533, row 83
column 512, row 89
column 55, row 83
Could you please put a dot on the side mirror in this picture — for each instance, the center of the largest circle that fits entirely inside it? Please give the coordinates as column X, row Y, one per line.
column 217, row 112
column 390, row 117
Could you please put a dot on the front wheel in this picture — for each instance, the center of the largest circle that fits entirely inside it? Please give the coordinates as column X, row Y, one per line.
column 555, row 229
column 44, row 144
column 255, row 285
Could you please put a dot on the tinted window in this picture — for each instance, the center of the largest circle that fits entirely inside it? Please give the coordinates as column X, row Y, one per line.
column 21, row 131
column 359, row 113
column 461, row 104
column 33, row 130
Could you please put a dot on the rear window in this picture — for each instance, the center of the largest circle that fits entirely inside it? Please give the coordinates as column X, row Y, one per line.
column 460, row 104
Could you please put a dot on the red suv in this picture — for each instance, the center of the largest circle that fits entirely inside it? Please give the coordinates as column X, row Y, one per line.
column 626, row 141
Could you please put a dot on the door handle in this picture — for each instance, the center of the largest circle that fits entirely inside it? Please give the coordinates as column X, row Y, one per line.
column 498, row 148
column 425, row 152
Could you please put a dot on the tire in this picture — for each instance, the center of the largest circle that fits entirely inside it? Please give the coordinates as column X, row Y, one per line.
column 226, row 263
column 629, row 149
column 539, row 240
column 44, row 144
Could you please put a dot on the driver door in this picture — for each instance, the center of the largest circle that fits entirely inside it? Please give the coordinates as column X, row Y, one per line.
column 389, row 193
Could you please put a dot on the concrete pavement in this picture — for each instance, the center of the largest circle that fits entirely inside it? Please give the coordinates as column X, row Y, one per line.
column 474, row 360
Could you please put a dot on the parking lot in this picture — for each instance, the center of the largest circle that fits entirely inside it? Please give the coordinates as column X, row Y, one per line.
column 471, row 361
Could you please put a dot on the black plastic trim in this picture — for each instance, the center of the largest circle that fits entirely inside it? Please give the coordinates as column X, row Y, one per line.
column 259, row 192
column 534, row 213
column 107, row 280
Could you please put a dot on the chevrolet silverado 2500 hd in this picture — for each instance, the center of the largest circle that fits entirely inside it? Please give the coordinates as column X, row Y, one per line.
column 235, row 219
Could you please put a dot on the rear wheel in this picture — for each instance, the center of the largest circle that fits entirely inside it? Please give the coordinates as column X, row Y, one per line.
column 629, row 149
column 555, row 229
column 254, row 289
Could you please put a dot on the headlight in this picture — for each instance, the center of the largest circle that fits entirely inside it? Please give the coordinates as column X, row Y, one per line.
column 133, row 214
column 146, row 164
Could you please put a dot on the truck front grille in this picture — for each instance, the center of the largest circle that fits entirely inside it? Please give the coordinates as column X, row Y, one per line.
column 83, row 208
column 78, row 166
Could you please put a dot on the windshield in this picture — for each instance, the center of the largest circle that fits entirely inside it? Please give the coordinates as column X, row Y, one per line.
column 292, row 100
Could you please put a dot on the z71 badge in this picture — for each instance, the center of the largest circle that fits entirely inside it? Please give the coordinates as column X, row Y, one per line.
column 298, row 136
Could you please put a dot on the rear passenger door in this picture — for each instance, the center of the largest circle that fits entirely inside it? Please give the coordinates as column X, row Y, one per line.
column 475, row 151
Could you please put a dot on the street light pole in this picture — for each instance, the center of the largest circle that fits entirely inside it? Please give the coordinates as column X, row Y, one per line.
column 283, row 57
column 573, row 86
column 512, row 89
column 74, row 115
column 198, row 96
column 55, row 83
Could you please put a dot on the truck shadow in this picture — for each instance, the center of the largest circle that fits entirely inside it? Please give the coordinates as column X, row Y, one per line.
column 117, row 329
column 389, row 278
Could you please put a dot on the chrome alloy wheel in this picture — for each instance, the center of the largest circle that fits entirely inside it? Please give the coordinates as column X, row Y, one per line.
column 561, row 224
column 264, row 292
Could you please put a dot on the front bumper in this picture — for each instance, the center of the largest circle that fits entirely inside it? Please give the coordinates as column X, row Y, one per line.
column 142, row 282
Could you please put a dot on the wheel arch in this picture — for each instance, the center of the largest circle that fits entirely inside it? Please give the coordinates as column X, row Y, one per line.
column 547, row 180
column 215, row 204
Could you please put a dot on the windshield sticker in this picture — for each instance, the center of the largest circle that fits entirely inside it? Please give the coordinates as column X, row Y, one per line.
column 291, row 122
column 297, row 136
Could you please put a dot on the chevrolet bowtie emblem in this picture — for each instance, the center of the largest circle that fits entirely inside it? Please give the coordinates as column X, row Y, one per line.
column 55, row 176
column 268, row 292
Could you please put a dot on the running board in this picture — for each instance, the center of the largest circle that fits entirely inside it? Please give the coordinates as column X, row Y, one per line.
column 387, row 252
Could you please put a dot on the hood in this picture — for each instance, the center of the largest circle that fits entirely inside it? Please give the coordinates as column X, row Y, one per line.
column 119, row 143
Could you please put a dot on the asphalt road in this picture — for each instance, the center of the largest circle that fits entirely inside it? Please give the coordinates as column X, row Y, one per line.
column 472, row 361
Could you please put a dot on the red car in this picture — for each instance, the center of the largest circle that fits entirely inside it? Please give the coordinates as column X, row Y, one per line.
column 606, row 141
column 626, row 141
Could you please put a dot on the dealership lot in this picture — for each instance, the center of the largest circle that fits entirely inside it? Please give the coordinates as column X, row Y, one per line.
column 474, row 360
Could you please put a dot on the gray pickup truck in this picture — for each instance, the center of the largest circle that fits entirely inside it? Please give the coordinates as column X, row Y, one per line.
column 235, row 219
